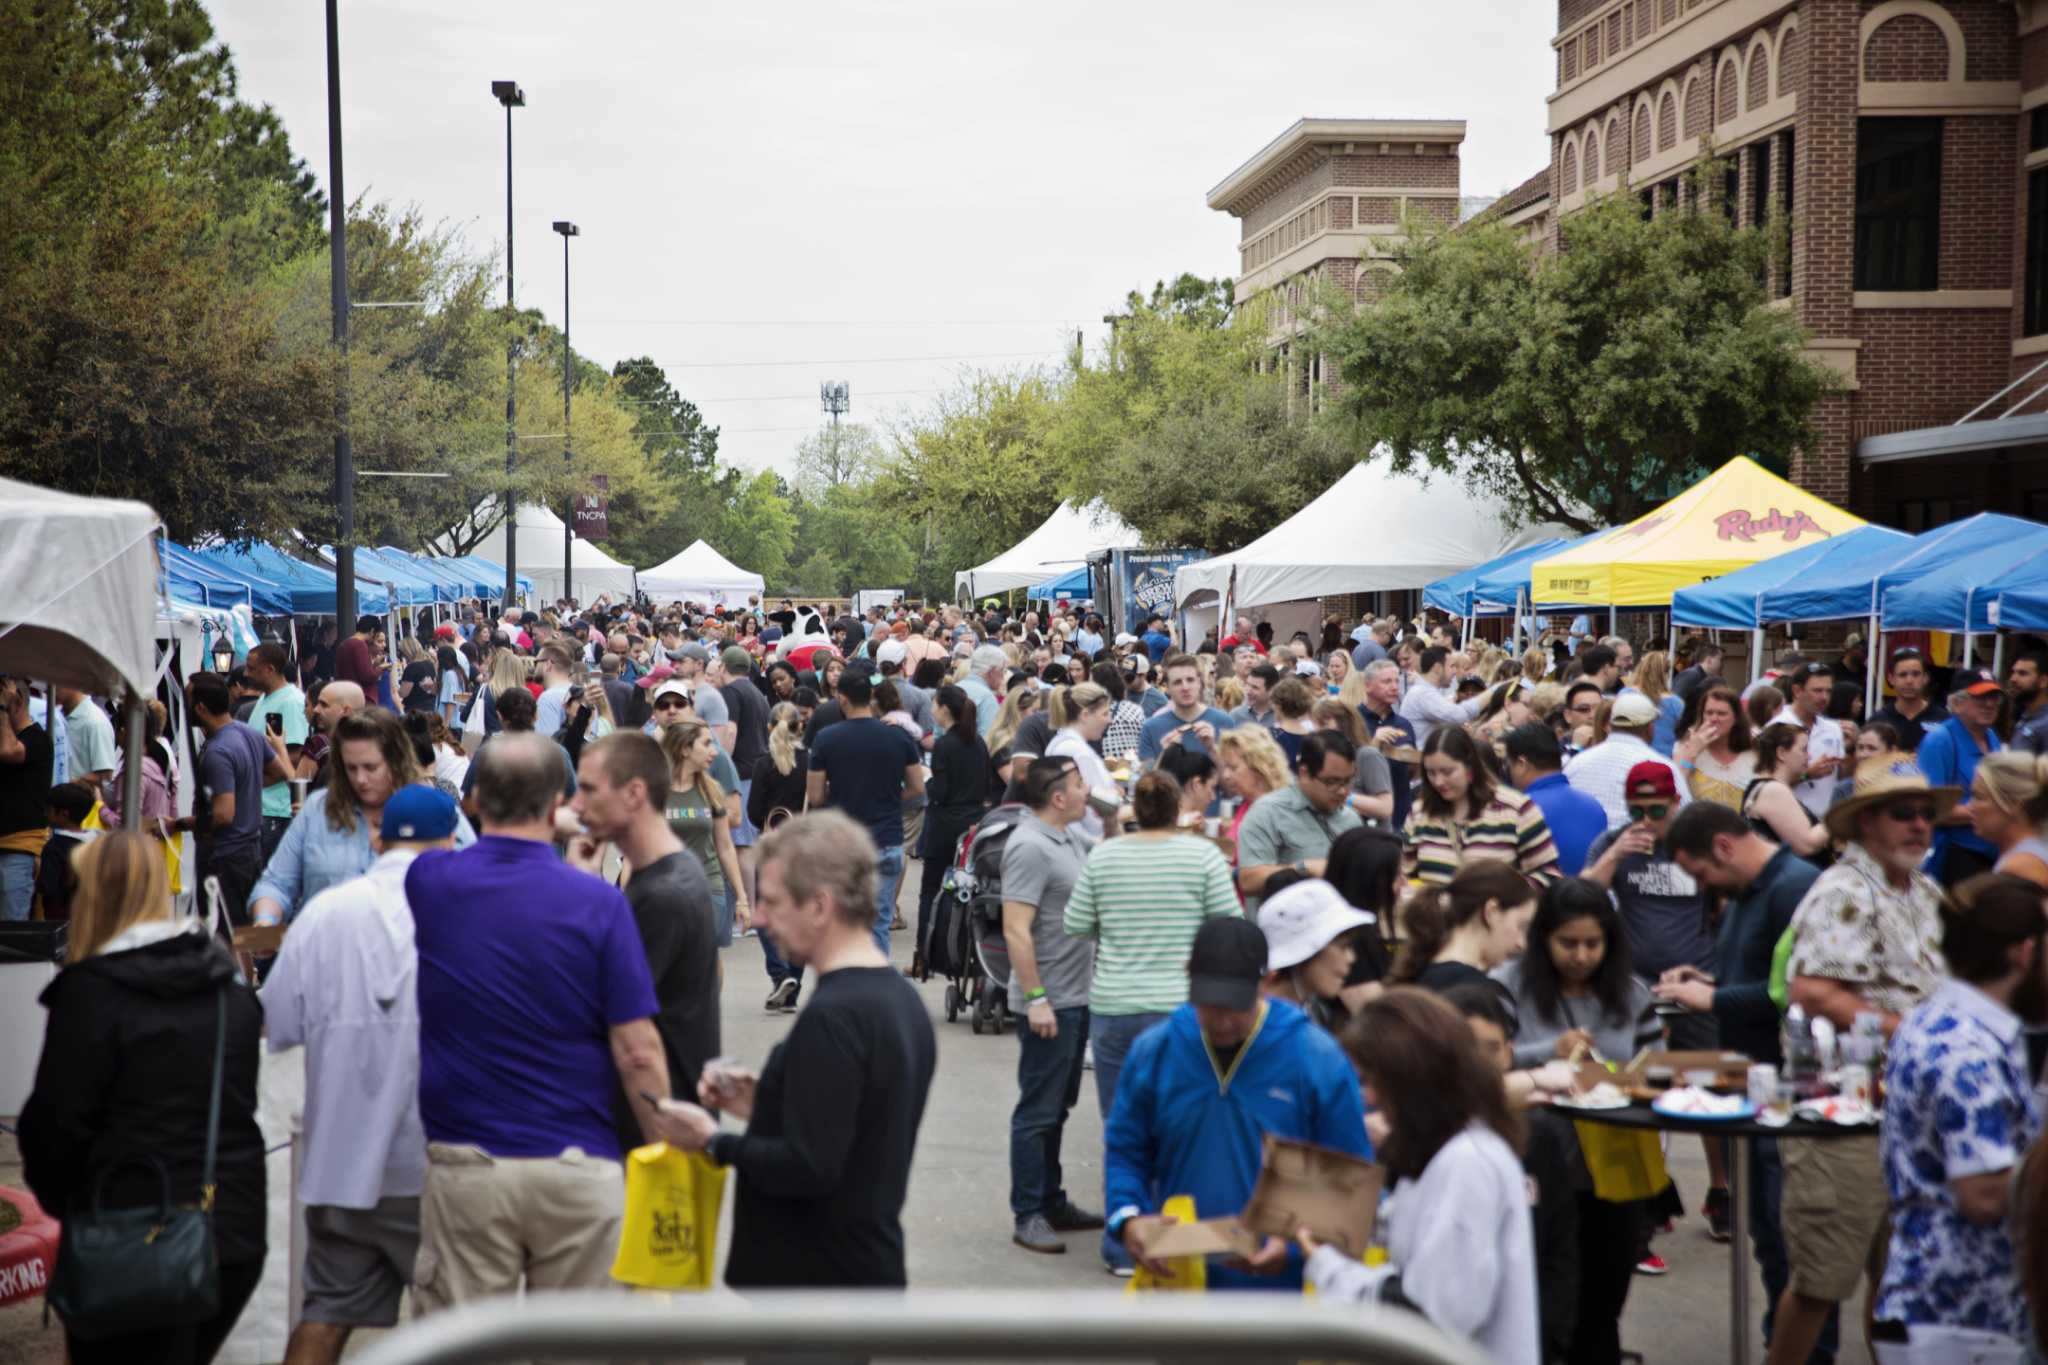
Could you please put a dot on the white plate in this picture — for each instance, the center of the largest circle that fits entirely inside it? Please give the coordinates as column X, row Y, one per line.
column 1587, row 1102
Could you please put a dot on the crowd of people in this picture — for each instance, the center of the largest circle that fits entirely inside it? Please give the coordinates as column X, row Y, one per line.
column 1376, row 890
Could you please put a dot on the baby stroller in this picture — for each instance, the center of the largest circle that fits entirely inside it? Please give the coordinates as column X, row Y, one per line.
column 967, row 926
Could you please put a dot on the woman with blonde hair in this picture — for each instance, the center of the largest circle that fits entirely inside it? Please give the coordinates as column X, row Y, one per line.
column 1019, row 703
column 508, row 670
column 1251, row 764
column 1653, row 679
column 1336, row 668
column 2008, row 804
column 144, row 1011
column 1080, row 716
column 700, row 812
column 1229, row 695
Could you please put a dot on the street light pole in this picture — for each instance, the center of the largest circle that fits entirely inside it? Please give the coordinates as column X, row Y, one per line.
column 568, row 230
column 337, row 272
column 512, row 97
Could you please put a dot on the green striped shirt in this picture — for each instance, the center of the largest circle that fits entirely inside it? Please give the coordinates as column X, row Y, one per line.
column 1141, row 899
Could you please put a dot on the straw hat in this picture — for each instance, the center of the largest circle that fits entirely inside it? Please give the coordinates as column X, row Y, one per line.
column 1881, row 780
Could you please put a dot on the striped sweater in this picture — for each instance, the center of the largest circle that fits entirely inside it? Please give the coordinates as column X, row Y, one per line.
column 1141, row 899
column 1510, row 827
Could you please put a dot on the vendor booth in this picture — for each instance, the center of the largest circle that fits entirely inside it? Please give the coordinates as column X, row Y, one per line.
column 540, row 560
column 701, row 574
column 1069, row 587
column 1371, row 531
column 1739, row 515
column 1058, row 547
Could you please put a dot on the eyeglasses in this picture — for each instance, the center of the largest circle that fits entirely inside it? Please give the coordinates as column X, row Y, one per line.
column 1653, row 812
column 1910, row 812
column 1337, row 783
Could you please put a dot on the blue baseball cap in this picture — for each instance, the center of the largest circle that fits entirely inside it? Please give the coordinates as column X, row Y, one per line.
column 418, row 815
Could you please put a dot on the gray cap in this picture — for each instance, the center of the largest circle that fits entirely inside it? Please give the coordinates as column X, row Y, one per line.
column 694, row 652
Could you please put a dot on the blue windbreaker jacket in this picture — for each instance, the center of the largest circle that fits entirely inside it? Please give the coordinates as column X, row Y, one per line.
column 1178, row 1127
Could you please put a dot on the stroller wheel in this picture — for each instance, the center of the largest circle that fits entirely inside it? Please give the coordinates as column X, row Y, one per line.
column 1001, row 1013
column 952, row 1002
column 974, row 1022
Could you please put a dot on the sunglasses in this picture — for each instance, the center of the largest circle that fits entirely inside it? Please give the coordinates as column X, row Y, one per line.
column 1652, row 812
column 672, row 703
column 1910, row 812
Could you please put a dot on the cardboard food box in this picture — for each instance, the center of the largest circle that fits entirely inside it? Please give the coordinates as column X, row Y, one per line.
column 1333, row 1194
column 1731, row 1071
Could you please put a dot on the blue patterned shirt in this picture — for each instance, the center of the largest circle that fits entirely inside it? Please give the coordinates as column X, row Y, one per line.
column 1958, row 1102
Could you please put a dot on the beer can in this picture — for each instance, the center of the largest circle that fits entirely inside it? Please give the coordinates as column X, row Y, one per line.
column 1853, row 1083
column 1763, row 1085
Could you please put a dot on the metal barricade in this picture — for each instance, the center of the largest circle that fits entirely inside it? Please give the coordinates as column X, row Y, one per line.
column 924, row 1325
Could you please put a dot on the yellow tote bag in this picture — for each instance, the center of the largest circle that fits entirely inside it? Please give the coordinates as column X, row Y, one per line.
column 669, row 1238
column 1626, row 1163
column 1184, row 1272
column 174, row 854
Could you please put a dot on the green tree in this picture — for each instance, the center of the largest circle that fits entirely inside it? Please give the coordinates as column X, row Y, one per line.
column 848, row 540
column 689, row 493
column 760, row 528
column 1582, row 387
column 973, row 475
column 837, row 455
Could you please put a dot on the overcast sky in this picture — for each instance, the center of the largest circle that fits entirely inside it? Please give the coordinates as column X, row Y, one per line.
column 887, row 193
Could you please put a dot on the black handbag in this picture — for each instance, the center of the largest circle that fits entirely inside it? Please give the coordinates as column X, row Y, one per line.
column 130, row 1270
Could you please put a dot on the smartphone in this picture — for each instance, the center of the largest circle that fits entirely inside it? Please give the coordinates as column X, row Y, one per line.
column 274, row 722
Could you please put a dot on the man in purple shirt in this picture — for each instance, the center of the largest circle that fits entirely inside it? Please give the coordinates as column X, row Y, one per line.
column 535, row 1006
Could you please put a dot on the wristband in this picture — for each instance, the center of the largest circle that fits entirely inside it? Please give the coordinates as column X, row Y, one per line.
column 1115, row 1224
column 1032, row 997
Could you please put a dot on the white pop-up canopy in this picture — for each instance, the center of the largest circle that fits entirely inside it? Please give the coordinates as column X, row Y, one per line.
column 1059, row 546
column 1371, row 531
column 540, row 559
column 701, row 574
column 81, row 576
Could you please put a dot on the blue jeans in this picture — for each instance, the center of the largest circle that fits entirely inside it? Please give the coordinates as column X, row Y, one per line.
column 1767, row 1240
column 17, row 884
column 888, row 879
column 779, row 968
column 1048, row 1083
column 1113, row 1035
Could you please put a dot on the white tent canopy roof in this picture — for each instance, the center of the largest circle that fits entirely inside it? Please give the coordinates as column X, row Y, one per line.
column 1058, row 547
column 1371, row 531
column 701, row 574
column 540, row 559
column 81, row 576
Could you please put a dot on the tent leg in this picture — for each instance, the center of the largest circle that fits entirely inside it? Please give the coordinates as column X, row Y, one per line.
column 1998, row 653
column 131, row 762
column 1872, row 663
column 1969, row 650
column 1756, row 655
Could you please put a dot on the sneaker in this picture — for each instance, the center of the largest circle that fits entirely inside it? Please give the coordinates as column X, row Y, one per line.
column 1122, row 1272
column 1087, row 1056
column 1071, row 1217
column 1034, row 1233
column 898, row 923
column 1716, row 1211
column 783, row 997
column 1652, row 1264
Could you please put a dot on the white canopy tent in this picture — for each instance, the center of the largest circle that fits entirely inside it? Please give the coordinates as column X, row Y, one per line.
column 540, row 559
column 1371, row 531
column 701, row 574
column 1059, row 546
column 81, row 576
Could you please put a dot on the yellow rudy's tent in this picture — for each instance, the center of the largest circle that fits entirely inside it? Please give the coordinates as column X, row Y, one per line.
column 1739, row 515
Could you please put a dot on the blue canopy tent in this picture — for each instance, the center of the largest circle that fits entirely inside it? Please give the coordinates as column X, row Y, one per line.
column 192, row 579
column 408, row 586
column 453, row 580
column 309, row 588
column 2023, row 608
column 1958, row 595
column 1735, row 601
column 486, row 577
column 1455, row 593
column 1849, row 587
column 1074, row 584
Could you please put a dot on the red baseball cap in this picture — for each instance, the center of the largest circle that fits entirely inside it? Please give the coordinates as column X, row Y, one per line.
column 1651, row 779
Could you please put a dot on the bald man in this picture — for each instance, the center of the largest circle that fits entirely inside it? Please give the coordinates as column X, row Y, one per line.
column 325, row 710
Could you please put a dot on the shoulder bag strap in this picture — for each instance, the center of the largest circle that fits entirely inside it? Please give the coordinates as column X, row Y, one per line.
column 220, row 1051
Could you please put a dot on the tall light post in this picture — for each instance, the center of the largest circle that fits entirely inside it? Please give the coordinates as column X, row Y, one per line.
column 337, row 280
column 568, row 230
column 512, row 97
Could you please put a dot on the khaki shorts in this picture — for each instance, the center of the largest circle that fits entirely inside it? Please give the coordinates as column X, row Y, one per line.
column 1835, row 1215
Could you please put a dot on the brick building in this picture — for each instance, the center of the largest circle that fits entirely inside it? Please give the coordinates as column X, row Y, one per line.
column 1908, row 140
column 1318, row 204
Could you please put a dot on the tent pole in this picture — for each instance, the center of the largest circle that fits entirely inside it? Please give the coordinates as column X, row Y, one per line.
column 1997, row 653
column 131, row 761
column 1969, row 645
column 1871, row 664
column 1756, row 655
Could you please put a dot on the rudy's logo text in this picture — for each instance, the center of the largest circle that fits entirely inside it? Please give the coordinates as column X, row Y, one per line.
column 1740, row 525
